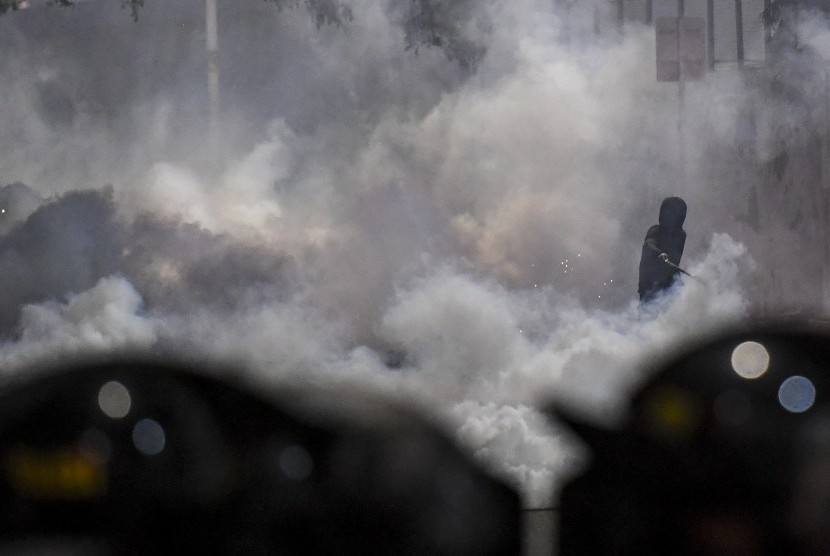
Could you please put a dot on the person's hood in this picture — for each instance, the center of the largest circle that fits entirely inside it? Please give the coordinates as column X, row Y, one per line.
column 672, row 213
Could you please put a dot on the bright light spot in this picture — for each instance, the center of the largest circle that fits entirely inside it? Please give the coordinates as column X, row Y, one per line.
column 296, row 463
column 732, row 408
column 750, row 360
column 148, row 437
column 114, row 400
column 797, row 394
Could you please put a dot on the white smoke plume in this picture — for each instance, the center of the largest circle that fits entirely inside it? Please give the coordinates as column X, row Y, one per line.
column 105, row 318
column 459, row 231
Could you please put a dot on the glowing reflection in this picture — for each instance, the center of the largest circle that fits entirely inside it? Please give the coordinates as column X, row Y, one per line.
column 750, row 360
column 114, row 400
column 148, row 437
column 296, row 463
column 732, row 408
column 797, row 394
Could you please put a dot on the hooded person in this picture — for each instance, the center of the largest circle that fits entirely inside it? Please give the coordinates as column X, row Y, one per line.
column 662, row 250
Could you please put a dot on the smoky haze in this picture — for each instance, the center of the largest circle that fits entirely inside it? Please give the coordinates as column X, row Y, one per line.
column 459, row 226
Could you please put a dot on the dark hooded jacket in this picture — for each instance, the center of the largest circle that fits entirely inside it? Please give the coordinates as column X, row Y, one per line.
column 666, row 237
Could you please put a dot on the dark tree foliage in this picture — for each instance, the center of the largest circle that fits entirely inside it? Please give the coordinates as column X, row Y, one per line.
column 443, row 24
column 324, row 12
column 6, row 5
column 134, row 5
column 440, row 23
column 796, row 70
column 780, row 11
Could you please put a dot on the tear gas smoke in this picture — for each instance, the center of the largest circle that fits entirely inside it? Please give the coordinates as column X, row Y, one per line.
column 476, row 227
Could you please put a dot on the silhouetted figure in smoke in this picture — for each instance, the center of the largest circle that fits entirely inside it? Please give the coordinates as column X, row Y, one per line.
column 662, row 250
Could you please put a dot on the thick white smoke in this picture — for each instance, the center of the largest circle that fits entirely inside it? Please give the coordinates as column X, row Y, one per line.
column 466, row 238
column 104, row 318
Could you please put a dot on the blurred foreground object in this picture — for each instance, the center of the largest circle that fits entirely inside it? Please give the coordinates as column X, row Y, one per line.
column 726, row 450
column 139, row 457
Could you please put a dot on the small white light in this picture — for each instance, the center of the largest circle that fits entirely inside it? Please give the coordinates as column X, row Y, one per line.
column 750, row 360
column 114, row 400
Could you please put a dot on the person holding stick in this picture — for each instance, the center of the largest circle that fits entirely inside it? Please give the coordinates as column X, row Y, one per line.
column 662, row 250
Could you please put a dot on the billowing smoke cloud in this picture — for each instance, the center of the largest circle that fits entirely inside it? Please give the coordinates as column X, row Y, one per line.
column 458, row 225
column 62, row 248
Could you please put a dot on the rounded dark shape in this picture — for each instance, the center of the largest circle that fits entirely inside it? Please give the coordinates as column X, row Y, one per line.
column 672, row 213
column 709, row 462
column 201, row 462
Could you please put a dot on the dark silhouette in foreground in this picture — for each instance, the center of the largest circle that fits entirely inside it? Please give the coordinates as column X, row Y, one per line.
column 130, row 456
column 724, row 451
